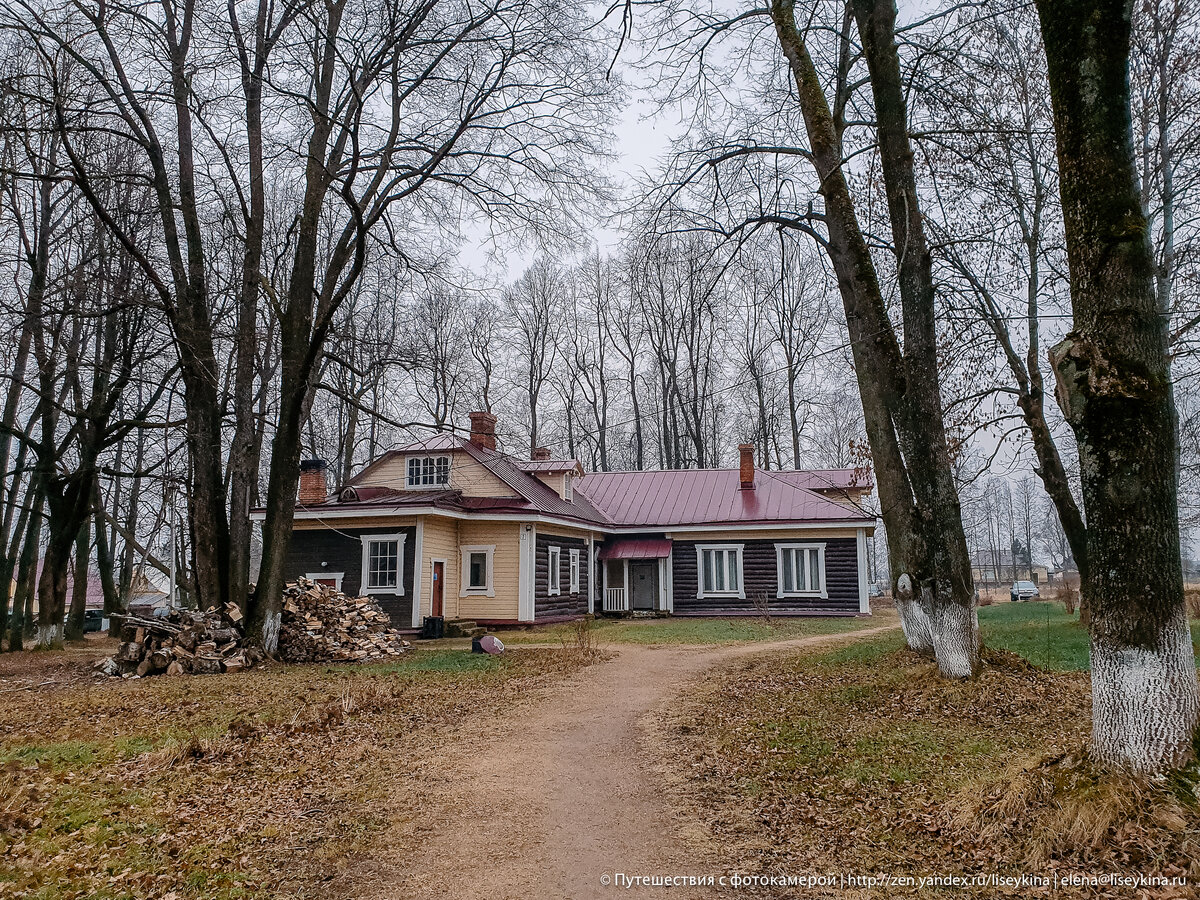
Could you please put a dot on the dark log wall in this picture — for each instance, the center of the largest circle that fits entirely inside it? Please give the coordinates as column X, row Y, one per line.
column 342, row 551
column 760, row 576
column 563, row 604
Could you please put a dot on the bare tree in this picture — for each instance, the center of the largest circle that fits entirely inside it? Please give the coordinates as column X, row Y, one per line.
column 1115, row 391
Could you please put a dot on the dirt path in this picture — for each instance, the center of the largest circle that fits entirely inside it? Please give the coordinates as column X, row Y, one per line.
column 557, row 797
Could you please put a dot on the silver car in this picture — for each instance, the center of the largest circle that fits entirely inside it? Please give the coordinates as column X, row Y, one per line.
column 1023, row 590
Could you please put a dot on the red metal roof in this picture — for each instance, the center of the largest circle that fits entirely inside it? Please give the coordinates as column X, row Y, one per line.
column 650, row 500
column 708, row 496
column 829, row 479
column 636, row 548
column 550, row 465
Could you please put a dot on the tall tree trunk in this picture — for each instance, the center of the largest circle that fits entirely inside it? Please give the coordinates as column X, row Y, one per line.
column 79, row 586
column 1114, row 386
column 924, row 439
column 875, row 350
column 104, row 558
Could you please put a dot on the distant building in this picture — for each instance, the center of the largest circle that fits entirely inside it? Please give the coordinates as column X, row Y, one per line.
column 1002, row 569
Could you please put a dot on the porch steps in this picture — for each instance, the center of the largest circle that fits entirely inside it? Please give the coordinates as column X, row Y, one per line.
column 463, row 628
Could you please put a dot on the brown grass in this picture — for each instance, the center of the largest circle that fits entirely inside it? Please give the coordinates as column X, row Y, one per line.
column 865, row 760
column 259, row 784
column 1192, row 598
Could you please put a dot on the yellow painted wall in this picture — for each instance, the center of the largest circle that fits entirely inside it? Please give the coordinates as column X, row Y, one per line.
column 466, row 475
column 506, row 568
column 439, row 540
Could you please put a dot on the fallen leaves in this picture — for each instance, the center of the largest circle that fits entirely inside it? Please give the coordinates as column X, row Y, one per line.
column 253, row 784
column 859, row 761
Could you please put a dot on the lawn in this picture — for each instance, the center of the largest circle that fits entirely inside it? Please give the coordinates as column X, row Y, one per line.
column 863, row 759
column 1043, row 632
column 234, row 786
column 683, row 631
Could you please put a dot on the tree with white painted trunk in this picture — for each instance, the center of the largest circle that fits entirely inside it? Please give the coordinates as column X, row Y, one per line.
column 1113, row 384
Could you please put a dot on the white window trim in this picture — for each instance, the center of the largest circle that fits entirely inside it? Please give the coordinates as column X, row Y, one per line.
column 568, row 488
column 553, row 570
column 399, row 537
column 408, row 486
column 465, row 589
column 574, row 571
column 823, row 591
column 336, row 576
column 701, row 593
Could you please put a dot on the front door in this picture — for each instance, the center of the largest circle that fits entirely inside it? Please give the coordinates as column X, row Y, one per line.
column 643, row 580
column 439, row 568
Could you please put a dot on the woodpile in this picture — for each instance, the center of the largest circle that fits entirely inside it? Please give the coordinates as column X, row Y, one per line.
column 184, row 642
column 321, row 624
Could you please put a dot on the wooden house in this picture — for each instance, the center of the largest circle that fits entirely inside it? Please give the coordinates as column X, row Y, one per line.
column 452, row 527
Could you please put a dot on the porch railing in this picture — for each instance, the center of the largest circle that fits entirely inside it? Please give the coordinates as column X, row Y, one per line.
column 614, row 600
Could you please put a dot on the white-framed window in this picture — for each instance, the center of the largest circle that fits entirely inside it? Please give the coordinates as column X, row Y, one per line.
column 719, row 570
column 568, row 481
column 428, row 472
column 383, row 564
column 554, row 558
column 477, row 570
column 574, row 570
column 800, row 570
column 333, row 579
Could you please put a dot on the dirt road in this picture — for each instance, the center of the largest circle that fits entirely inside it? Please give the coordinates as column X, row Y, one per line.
column 556, row 798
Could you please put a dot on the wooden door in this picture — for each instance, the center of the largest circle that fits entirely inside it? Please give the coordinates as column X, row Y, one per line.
column 644, row 583
column 438, row 573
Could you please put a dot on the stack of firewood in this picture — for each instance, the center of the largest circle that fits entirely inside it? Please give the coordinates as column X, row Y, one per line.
column 319, row 624
column 322, row 624
column 181, row 643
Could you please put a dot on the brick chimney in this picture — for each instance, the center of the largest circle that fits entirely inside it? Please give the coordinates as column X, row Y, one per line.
column 746, row 454
column 483, row 429
column 540, row 453
column 313, row 488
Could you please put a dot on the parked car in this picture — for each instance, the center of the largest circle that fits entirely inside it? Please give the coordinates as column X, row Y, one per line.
column 93, row 620
column 1024, row 590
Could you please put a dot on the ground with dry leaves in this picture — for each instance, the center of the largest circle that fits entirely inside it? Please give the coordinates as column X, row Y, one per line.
column 259, row 784
column 863, row 760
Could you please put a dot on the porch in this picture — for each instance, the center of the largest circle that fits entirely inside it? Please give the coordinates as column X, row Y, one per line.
column 636, row 575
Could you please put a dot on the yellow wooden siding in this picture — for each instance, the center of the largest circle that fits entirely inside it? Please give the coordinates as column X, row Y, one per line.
column 564, row 531
column 552, row 480
column 506, row 569
column 439, row 540
column 466, row 475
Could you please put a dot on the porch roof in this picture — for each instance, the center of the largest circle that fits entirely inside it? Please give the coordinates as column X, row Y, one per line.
column 636, row 548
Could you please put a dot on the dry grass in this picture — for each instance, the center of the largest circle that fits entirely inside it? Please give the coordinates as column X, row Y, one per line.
column 259, row 784
column 1192, row 598
column 864, row 760
column 1065, row 809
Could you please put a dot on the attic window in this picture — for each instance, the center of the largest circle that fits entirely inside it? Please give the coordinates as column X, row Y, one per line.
column 568, row 477
column 428, row 471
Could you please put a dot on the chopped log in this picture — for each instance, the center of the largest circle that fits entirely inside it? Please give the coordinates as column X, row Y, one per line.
column 130, row 651
column 175, row 668
column 206, row 665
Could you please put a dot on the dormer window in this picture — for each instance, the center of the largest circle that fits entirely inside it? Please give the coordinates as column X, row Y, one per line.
column 568, row 477
column 428, row 472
